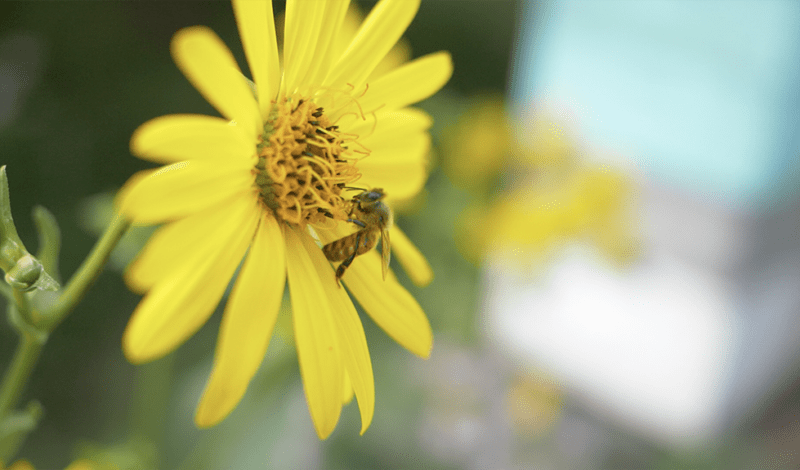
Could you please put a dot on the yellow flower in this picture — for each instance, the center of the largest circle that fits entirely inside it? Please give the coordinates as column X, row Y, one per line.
column 533, row 404
column 267, row 184
column 553, row 196
column 81, row 464
column 478, row 145
column 530, row 223
column 546, row 143
column 19, row 465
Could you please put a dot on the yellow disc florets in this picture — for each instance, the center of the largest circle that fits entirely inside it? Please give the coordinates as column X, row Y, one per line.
column 304, row 164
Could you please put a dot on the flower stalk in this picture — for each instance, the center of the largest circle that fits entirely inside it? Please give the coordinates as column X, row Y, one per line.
column 19, row 371
column 86, row 275
column 34, row 311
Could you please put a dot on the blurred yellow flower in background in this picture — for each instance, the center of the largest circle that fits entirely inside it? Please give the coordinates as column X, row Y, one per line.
column 267, row 184
column 530, row 222
column 533, row 403
column 535, row 191
column 542, row 142
column 18, row 465
column 478, row 145
column 83, row 464
column 80, row 464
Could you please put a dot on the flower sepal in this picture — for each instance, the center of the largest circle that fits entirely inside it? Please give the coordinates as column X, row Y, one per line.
column 24, row 272
column 29, row 274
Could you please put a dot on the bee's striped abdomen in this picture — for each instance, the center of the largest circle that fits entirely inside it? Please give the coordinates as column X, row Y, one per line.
column 340, row 249
column 369, row 238
column 343, row 248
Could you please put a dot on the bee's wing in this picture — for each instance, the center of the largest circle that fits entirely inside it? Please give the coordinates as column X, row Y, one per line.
column 386, row 252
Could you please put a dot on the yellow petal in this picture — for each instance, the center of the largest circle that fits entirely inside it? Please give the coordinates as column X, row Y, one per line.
column 389, row 304
column 174, row 138
column 395, row 128
column 304, row 21
column 172, row 243
column 399, row 166
column 318, row 349
column 410, row 257
column 410, row 83
column 380, row 31
column 182, row 189
column 347, row 30
column 387, row 123
column 247, row 324
column 350, row 332
column 347, row 390
column 209, row 65
column 178, row 305
column 257, row 31
column 323, row 56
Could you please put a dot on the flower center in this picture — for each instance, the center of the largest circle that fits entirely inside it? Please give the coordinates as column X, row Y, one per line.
column 304, row 164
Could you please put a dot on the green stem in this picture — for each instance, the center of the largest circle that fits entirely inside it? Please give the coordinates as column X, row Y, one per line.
column 34, row 329
column 19, row 371
column 22, row 304
column 87, row 273
column 6, row 291
column 34, row 326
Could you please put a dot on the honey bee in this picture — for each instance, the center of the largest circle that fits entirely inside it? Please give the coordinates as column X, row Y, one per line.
column 374, row 217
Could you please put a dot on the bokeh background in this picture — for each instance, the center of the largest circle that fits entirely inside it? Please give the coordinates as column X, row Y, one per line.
column 612, row 217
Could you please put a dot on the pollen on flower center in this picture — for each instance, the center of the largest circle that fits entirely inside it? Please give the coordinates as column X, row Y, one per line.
column 303, row 164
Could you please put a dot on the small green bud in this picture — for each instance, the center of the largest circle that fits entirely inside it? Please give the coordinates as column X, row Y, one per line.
column 29, row 274
column 23, row 271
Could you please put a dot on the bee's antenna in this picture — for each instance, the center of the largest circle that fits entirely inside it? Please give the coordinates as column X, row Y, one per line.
column 351, row 188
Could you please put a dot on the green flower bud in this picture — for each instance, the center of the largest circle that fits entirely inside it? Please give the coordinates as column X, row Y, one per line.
column 29, row 274
column 23, row 271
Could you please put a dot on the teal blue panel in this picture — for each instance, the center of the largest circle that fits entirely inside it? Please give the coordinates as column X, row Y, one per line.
column 703, row 95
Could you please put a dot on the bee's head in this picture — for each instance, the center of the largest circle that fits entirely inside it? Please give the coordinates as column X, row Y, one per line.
column 372, row 196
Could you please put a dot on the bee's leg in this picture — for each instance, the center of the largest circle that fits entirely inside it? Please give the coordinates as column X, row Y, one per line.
column 353, row 208
column 346, row 263
column 358, row 222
